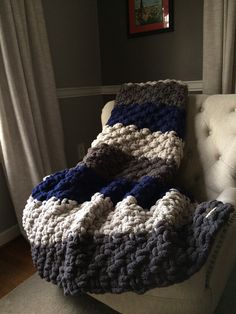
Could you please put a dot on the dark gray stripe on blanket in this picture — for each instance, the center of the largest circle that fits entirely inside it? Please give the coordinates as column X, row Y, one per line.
column 108, row 161
column 165, row 92
column 132, row 262
column 156, row 167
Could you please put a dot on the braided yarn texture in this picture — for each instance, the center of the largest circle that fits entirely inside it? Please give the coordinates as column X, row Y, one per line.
column 115, row 222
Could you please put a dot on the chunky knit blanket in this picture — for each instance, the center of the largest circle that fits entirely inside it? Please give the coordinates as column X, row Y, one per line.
column 116, row 222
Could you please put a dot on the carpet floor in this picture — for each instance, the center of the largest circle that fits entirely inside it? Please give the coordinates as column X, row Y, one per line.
column 36, row 296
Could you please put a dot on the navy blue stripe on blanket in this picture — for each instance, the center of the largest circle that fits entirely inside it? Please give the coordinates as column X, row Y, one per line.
column 80, row 183
column 155, row 117
column 147, row 191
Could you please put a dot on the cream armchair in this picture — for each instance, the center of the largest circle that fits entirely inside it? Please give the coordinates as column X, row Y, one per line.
column 209, row 172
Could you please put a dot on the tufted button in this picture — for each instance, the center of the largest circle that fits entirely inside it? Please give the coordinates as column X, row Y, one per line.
column 209, row 132
column 218, row 157
column 201, row 109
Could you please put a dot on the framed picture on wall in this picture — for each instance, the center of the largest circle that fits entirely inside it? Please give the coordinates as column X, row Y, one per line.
column 149, row 16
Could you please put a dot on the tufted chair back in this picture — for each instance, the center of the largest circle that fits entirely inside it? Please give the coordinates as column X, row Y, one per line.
column 209, row 164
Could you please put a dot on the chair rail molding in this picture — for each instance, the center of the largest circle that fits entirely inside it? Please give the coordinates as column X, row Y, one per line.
column 84, row 91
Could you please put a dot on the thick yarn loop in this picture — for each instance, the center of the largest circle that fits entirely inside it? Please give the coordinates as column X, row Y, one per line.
column 116, row 222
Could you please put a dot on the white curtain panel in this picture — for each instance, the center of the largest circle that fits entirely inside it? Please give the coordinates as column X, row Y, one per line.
column 219, row 47
column 31, row 133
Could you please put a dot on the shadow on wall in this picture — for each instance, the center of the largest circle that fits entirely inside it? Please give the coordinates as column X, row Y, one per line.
column 81, row 119
column 7, row 213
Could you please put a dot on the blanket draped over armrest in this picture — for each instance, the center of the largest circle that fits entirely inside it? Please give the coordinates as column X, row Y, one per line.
column 116, row 222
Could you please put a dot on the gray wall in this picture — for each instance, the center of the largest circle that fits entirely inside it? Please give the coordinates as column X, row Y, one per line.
column 175, row 54
column 72, row 28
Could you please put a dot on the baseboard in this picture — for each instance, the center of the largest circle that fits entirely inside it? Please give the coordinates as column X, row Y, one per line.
column 9, row 234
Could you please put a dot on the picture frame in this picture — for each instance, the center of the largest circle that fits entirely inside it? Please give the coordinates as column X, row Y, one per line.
column 150, row 16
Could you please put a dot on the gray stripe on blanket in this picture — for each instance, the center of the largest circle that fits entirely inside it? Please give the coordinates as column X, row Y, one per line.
column 109, row 160
column 168, row 92
column 131, row 262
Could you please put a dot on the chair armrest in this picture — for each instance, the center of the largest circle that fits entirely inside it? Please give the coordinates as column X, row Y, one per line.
column 106, row 111
column 223, row 255
column 228, row 196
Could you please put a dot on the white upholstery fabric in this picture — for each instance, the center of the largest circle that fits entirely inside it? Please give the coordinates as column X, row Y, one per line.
column 208, row 170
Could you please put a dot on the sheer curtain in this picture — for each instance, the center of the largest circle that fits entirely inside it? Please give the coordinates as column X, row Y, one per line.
column 31, row 135
column 219, row 47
